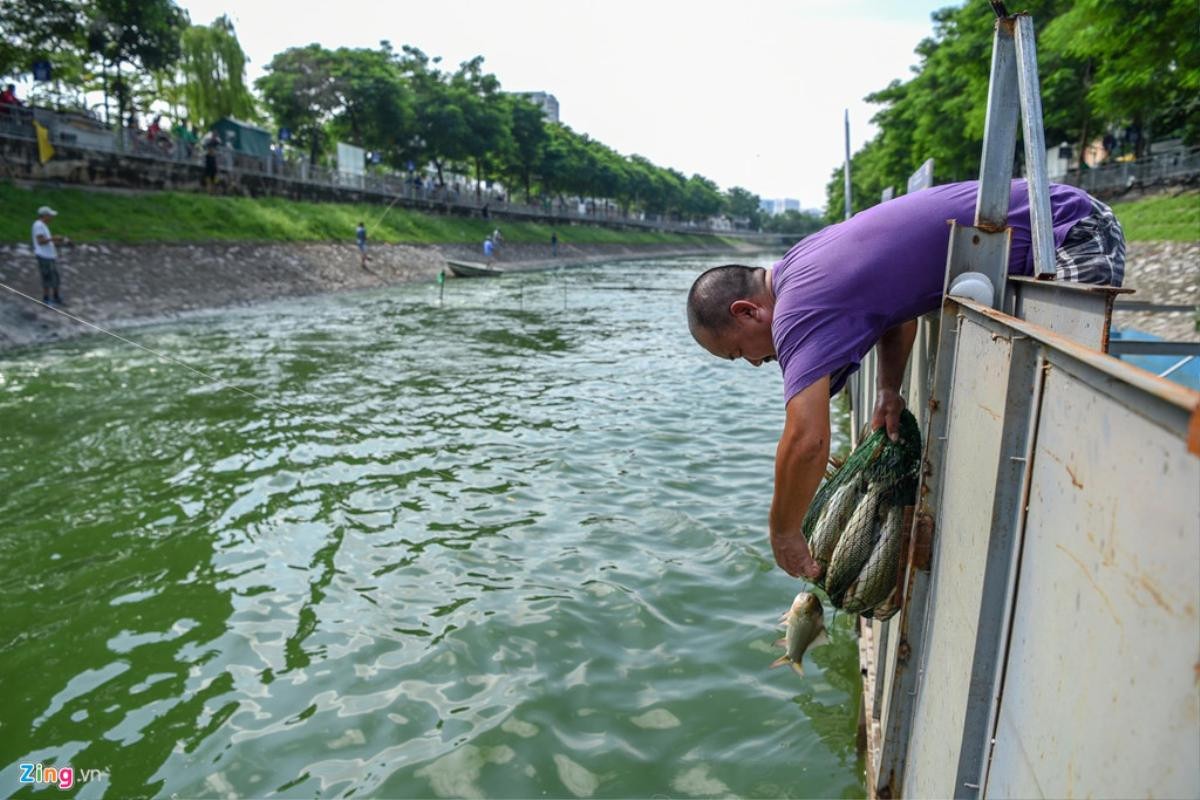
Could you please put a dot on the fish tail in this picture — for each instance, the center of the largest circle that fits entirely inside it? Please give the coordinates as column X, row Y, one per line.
column 779, row 662
column 799, row 669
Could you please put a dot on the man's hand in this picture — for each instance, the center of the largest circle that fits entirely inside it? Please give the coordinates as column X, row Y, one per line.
column 888, row 405
column 800, row 462
column 791, row 554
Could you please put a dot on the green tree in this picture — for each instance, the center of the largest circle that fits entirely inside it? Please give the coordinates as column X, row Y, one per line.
column 1142, row 63
column 487, row 122
column 741, row 203
column 142, row 35
column 940, row 111
column 440, row 129
column 373, row 105
column 33, row 30
column 212, row 73
column 528, row 142
column 701, row 198
column 794, row 223
column 298, row 90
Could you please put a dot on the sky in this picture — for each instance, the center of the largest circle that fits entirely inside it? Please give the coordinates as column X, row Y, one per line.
column 747, row 94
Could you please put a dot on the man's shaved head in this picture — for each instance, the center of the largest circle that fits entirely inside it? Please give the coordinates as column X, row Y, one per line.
column 716, row 289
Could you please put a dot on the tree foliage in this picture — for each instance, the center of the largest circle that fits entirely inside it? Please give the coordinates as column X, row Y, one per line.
column 794, row 223
column 212, row 74
column 402, row 105
column 1101, row 65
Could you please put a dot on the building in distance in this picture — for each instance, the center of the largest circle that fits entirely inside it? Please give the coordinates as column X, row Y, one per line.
column 774, row 207
column 545, row 101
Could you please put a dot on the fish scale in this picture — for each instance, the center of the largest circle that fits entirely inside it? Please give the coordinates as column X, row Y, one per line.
column 833, row 519
column 877, row 578
column 855, row 545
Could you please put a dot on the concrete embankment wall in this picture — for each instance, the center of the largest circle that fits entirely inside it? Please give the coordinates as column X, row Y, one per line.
column 113, row 285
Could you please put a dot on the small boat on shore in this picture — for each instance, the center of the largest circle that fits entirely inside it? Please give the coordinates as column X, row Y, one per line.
column 472, row 269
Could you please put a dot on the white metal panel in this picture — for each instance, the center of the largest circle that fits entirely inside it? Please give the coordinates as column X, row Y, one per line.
column 977, row 408
column 1101, row 697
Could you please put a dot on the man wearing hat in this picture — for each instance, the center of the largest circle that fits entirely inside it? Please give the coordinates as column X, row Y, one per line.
column 47, row 254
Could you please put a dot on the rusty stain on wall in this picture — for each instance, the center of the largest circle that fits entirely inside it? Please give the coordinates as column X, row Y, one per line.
column 1087, row 573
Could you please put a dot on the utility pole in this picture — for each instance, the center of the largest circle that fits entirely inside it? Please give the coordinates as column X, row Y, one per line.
column 846, row 170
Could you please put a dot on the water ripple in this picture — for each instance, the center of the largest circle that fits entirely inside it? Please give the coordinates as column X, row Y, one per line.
column 510, row 547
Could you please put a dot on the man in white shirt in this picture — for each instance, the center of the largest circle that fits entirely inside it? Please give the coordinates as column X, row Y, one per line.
column 47, row 254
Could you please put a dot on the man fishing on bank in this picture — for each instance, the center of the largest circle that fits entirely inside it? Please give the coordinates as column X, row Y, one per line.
column 862, row 282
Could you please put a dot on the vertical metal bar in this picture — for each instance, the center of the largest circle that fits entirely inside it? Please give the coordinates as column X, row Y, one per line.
column 970, row 249
column 846, row 171
column 910, row 623
column 999, row 134
column 1035, row 148
column 881, row 652
column 1039, row 384
column 1002, row 548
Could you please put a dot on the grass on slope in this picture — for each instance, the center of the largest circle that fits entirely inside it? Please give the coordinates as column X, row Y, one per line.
column 97, row 216
column 1161, row 217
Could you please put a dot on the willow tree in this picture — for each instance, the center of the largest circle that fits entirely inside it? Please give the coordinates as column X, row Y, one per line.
column 212, row 72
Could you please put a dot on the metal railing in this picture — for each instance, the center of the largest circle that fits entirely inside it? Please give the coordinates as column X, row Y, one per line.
column 89, row 134
column 1143, row 172
column 1045, row 457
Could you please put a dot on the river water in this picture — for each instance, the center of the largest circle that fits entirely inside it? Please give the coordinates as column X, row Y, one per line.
column 510, row 547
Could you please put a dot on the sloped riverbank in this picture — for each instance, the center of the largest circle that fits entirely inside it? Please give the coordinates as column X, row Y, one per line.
column 114, row 285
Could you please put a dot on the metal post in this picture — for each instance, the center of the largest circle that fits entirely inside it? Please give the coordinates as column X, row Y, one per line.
column 1003, row 545
column 846, row 170
column 969, row 247
column 999, row 137
column 1035, row 149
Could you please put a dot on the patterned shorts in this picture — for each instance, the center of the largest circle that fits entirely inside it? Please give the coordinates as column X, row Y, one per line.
column 1094, row 250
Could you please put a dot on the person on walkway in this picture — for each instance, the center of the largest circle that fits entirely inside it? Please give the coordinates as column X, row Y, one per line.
column 9, row 96
column 497, row 238
column 46, row 253
column 360, row 233
column 211, row 142
column 861, row 284
column 554, row 244
column 187, row 138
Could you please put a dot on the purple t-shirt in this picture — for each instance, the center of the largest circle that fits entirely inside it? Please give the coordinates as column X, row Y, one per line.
column 839, row 290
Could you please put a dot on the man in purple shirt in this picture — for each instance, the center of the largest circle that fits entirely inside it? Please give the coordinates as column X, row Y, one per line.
column 862, row 282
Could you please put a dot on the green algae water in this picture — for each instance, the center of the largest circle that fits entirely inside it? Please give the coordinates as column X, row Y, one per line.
column 514, row 546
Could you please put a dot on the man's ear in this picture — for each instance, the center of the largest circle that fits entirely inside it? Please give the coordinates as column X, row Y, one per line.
column 743, row 309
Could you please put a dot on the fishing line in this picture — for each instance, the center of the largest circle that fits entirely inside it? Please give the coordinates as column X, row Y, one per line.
column 201, row 373
column 385, row 211
column 214, row 379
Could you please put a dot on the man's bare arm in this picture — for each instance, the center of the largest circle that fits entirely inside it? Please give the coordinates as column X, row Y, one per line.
column 894, row 347
column 799, row 465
